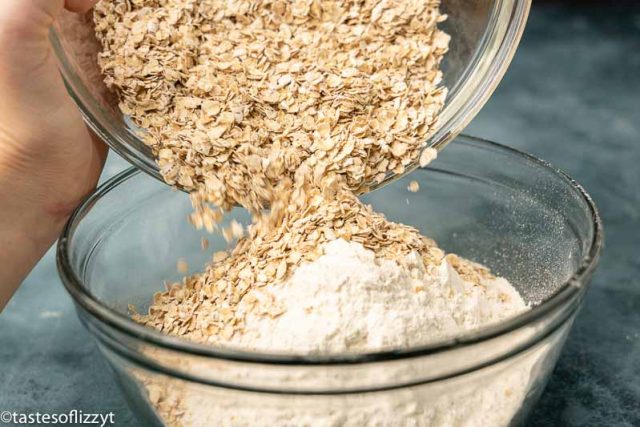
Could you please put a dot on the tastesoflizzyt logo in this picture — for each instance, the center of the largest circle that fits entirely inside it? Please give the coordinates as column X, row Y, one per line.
column 74, row 417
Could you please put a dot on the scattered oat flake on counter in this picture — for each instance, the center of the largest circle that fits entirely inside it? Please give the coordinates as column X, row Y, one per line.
column 413, row 186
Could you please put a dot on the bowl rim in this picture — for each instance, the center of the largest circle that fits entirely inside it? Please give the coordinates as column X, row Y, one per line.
column 569, row 292
column 486, row 68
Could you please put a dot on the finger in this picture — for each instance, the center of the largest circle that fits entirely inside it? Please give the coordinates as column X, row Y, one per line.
column 27, row 19
column 80, row 6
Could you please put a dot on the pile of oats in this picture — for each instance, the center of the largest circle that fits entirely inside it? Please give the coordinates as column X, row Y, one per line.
column 211, row 307
column 236, row 95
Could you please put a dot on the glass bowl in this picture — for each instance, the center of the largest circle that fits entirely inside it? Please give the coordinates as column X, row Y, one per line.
column 518, row 215
column 484, row 37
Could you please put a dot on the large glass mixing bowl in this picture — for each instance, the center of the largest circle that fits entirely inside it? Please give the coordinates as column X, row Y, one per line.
column 484, row 37
column 518, row 215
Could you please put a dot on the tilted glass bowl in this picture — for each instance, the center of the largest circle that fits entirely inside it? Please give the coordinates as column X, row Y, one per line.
column 484, row 37
column 516, row 214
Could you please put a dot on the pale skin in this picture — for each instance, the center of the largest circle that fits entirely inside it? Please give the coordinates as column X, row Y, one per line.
column 49, row 160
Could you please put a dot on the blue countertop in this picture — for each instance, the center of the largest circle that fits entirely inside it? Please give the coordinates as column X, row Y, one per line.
column 571, row 96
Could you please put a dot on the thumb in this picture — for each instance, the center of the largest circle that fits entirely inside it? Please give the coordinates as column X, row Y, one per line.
column 24, row 30
column 31, row 19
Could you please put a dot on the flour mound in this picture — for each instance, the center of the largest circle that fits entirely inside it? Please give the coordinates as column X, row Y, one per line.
column 348, row 300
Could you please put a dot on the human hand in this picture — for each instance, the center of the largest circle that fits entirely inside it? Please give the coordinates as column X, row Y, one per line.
column 49, row 160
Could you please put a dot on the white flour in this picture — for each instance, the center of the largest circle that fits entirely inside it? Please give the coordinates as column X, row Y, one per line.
column 347, row 300
column 490, row 400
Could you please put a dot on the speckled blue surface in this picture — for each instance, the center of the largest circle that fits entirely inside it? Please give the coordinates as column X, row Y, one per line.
column 572, row 96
